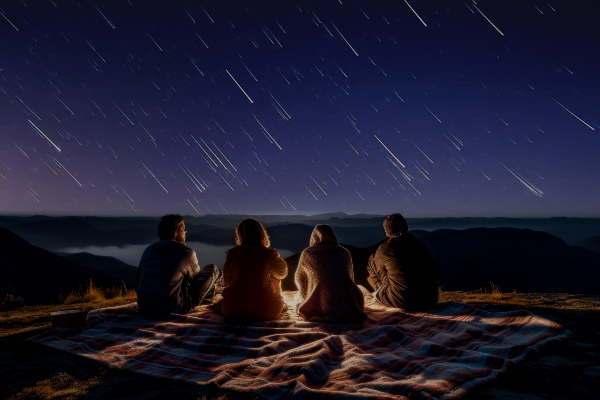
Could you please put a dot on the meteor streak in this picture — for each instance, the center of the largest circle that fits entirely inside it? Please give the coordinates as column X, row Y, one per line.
column 570, row 112
column 238, row 85
column 42, row 134
column 413, row 10
column 271, row 138
column 389, row 151
column 529, row 186
column 155, row 178
column 68, row 172
column 7, row 20
column 316, row 183
column 349, row 45
column 488, row 20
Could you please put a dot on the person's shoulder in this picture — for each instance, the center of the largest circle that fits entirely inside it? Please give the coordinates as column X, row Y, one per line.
column 272, row 252
column 383, row 246
column 342, row 249
column 156, row 246
column 231, row 250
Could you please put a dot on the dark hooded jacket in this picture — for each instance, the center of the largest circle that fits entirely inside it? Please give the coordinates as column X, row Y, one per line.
column 249, row 274
column 405, row 274
column 165, row 267
column 325, row 279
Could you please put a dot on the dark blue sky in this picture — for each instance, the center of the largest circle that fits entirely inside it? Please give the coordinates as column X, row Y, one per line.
column 491, row 109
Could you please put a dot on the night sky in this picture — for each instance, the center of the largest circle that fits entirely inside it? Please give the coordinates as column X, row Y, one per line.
column 429, row 108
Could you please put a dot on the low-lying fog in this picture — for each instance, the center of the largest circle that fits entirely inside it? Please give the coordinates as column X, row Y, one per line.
column 131, row 254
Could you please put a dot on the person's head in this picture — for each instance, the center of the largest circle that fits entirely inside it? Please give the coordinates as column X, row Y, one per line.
column 250, row 231
column 323, row 234
column 172, row 227
column 395, row 224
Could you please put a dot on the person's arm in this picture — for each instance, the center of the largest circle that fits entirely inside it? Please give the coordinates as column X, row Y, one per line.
column 194, row 268
column 279, row 269
column 373, row 277
column 188, row 268
column 227, row 271
column 300, row 275
column 350, row 266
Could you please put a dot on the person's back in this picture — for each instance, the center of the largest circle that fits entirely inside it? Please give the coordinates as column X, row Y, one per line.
column 164, row 267
column 402, row 272
column 325, row 279
column 251, row 276
column 169, row 279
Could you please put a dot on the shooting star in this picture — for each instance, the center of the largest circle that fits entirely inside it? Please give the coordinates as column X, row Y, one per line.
column 8, row 20
column 488, row 20
column 349, row 45
column 42, row 134
column 570, row 112
column 389, row 151
column 316, row 183
column 536, row 191
column 413, row 10
column 238, row 85
column 155, row 178
column 68, row 172
column 434, row 116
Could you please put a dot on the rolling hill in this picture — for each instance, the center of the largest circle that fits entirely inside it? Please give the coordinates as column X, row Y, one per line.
column 40, row 276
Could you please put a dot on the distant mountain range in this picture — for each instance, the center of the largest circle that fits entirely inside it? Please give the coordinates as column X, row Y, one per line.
column 286, row 232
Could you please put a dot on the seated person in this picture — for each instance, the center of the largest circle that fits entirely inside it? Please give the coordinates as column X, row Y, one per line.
column 402, row 272
column 168, row 278
column 252, row 275
column 325, row 279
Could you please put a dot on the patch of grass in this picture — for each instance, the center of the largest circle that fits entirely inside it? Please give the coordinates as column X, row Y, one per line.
column 29, row 318
column 11, row 303
column 60, row 386
column 100, row 297
column 565, row 301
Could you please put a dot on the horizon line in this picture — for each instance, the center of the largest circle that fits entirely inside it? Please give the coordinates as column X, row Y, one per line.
column 330, row 214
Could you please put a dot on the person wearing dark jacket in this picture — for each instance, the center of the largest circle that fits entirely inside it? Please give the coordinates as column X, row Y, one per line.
column 169, row 279
column 325, row 279
column 402, row 272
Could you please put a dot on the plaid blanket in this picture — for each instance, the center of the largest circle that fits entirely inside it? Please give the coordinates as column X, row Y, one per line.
column 441, row 354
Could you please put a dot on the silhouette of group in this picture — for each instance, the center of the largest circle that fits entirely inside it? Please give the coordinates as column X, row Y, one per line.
column 169, row 279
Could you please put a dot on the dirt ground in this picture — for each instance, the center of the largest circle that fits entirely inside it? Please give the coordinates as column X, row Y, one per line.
column 569, row 370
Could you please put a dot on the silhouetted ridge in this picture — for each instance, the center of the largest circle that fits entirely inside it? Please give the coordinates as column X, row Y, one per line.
column 105, row 264
column 38, row 275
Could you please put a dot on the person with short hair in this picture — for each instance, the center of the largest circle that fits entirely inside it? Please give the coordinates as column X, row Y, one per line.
column 252, row 275
column 325, row 279
column 401, row 271
column 169, row 279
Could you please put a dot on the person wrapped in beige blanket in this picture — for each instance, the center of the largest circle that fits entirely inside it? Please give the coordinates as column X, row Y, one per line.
column 325, row 279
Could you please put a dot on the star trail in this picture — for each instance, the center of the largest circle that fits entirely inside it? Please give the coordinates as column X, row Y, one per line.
column 429, row 108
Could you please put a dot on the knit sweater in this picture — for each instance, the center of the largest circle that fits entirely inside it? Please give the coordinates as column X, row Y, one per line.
column 325, row 279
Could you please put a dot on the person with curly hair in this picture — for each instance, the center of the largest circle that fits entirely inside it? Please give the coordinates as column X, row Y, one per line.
column 252, row 275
